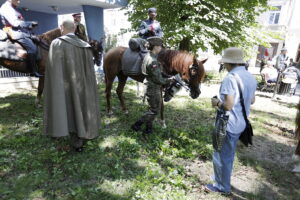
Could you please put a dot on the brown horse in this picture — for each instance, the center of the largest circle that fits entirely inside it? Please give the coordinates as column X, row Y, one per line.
column 44, row 43
column 174, row 62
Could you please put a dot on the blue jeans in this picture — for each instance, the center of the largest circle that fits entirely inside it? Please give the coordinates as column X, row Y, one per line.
column 223, row 162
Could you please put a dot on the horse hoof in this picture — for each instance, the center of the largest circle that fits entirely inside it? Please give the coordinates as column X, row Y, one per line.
column 163, row 124
column 109, row 113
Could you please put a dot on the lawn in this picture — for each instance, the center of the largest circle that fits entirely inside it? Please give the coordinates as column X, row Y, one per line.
column 172, row 163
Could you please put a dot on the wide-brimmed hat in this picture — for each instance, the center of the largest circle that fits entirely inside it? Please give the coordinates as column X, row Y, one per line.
column 76, row 15
column 233, row 55
column 152, row 10
column 155, row 41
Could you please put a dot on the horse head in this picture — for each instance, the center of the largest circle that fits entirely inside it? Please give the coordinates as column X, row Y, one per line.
column 193, row 75
column 97, row 50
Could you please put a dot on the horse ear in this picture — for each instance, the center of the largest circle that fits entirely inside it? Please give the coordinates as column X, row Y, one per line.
column 203, row 61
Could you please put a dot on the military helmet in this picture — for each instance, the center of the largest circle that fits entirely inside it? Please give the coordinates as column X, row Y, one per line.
column 155, row 41
column 76, row 15
column 284, row 49
column 152, row 10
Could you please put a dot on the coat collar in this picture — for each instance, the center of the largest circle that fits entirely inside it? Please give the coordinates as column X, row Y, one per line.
column 74, row 40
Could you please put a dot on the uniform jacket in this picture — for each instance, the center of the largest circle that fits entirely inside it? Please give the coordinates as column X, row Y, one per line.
column 11, row 17
column 80, row 32
column 144, row 29
column 71, row 97
column 152, row 69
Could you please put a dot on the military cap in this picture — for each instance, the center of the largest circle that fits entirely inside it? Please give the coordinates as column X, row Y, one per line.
column 152, row 10
column 76, row 15
column 155, row 41
column 284, row 49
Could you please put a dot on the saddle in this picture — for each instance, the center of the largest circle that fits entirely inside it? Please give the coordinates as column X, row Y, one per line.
column 133, row 57
column 10, row 49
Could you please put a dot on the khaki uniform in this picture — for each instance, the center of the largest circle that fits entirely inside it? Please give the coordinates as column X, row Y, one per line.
column 152, row 70
column 80, row 32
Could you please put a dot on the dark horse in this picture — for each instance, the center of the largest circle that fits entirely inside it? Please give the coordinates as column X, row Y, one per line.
column 44, row 42
column 174, row 62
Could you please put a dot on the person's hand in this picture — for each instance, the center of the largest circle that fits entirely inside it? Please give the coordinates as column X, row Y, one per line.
column 151, row 28
column 34, row 23
column 215, row 101
column 172, row 78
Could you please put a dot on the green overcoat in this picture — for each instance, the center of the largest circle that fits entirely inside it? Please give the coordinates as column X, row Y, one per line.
column 71, row 97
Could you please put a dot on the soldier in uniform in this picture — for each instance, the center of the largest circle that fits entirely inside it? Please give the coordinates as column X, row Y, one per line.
column 150, row 27
column 80, row 29
column 281, row 60
column 152, row 69
column 19, row 30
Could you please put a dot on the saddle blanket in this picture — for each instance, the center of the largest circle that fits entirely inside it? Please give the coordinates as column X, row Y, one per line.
column 132, row 62
column 8, row 50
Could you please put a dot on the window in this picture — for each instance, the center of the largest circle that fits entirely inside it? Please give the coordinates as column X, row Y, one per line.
column 274, row 15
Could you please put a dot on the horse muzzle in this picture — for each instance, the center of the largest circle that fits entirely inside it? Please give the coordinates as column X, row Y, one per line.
column 195, row 92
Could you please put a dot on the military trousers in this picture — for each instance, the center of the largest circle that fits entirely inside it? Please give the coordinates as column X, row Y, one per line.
column 153, row 96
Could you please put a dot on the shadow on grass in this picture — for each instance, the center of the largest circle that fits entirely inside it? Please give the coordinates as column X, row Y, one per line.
column 116, row 165
column 272, row 160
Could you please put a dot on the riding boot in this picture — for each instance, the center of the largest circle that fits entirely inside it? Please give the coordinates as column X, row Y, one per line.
column 137, row 125
column 31, row 64
column 148, row 129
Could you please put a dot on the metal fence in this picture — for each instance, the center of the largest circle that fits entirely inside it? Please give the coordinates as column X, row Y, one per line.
column 6, row 73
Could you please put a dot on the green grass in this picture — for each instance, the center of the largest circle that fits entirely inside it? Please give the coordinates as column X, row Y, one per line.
column 119, row 164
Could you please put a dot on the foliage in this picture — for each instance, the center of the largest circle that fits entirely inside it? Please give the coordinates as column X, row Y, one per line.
column 204, row 24
column 111, row 42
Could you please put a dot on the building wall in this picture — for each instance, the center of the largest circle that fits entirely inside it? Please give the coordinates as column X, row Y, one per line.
column 288, row 25
column 46, row 21
column 94, row 21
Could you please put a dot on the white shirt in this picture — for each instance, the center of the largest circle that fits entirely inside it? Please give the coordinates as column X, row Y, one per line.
column 11, row 16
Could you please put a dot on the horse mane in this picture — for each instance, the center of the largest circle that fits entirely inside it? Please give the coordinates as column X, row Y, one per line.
column 175, row 59
column 49, row 36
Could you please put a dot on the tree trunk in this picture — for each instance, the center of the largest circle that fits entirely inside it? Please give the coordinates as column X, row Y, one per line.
column 184, row 44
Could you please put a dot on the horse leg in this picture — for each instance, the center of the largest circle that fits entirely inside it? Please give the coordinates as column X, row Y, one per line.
column 162, row 117
column 108, row 87
column 40, row 92
column 120, row 88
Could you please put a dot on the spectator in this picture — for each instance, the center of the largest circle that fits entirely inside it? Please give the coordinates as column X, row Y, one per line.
column 281, row 60
column 71, row 99
column 296, row 156
column 230, row 102
column 269, row 73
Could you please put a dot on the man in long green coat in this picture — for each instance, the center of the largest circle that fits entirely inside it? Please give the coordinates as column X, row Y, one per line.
column 154, row 81
column 71, row 98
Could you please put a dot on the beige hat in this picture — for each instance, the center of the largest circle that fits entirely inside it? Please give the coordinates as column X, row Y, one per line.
column 233, row 55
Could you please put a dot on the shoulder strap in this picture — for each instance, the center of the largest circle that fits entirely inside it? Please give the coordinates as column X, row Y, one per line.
column 241, row 96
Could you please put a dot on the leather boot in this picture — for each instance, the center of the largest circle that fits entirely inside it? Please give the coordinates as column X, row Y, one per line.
column 148, row 129
column 31, row 64
column 137, row 125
